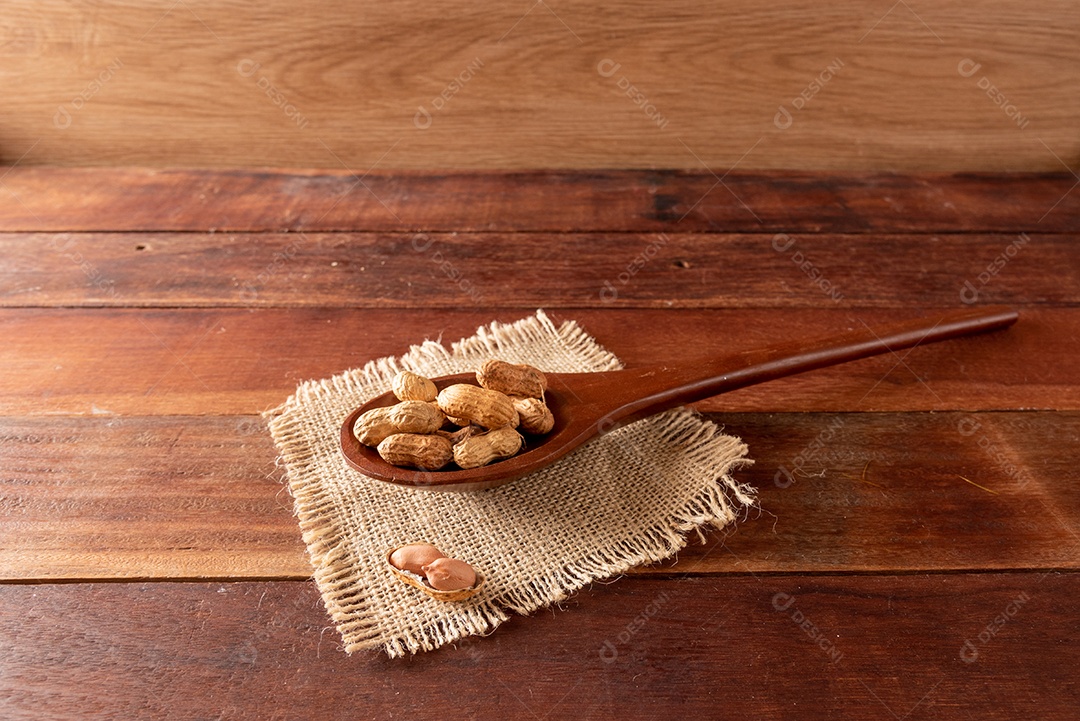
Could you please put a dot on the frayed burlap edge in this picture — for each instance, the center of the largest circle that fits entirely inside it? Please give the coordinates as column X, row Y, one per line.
column 336, row 567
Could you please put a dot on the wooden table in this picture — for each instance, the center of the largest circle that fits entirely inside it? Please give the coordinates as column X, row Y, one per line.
column 920, row 563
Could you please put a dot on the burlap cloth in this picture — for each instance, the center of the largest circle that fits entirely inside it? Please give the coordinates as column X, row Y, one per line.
column 627, row 499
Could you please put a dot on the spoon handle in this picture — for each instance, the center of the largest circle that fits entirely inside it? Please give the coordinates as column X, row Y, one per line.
column 651, row 390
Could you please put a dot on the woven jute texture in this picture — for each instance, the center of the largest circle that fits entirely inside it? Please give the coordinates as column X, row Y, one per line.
column 629, row 498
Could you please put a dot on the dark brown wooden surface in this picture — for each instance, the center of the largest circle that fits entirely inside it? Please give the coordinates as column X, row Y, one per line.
column 197, row 496
column 235, row 360
column 921, row 511
column 786, row 647
column 579, row 270
column 143, row 199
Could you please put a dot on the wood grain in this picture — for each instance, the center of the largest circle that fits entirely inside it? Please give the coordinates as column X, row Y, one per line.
column 146, row 498
column 199, row 497
column 916, row 547
column 241, row 361
column 146, row 199
column 532, row 270
column 570, row 84
column 851, row 647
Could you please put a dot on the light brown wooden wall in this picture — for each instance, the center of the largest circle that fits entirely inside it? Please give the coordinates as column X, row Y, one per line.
column 159, row 82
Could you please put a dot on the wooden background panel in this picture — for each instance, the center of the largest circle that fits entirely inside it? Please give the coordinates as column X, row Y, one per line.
column 199, row 497
column 444, row 270
column 236, row 360
column 146, row 199
column 802, row 647
column 526, row 85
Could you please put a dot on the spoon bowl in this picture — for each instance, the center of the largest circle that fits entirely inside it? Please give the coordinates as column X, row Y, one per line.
column 587, row 405
column 532, row 457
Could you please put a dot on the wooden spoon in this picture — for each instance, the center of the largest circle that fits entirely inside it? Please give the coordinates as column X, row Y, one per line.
column 586, row 405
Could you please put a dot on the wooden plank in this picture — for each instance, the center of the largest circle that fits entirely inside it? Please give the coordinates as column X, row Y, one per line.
column 861, row 491
column 198, row 497
column 958, row 86
column 145, row 498
column 147, row 199
column 242, row 361
column 838, row 647
column 441, row 270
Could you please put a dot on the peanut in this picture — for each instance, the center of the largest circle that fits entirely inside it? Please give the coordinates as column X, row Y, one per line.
column 426, row 452
column 535, row 416
column 409, row 386
column 482, row 449
column 415, row 556
column 460, row 434
column 449, row 574
column 483, row 407
column 417, row 417
column 374, row 426
column 473, row 425
column 463, row 422
column 513, row 380
column 423, row 566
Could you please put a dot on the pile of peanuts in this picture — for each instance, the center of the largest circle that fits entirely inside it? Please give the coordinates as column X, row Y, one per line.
column 463, row 424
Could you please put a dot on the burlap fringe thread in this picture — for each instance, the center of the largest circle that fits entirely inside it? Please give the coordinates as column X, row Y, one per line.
column 327, row 495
